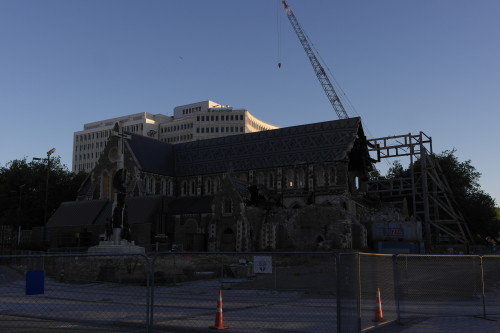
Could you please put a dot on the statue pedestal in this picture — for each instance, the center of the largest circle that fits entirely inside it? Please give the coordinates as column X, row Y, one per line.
column 124, row 246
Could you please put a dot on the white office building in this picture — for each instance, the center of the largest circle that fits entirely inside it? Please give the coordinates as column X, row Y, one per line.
column 190, row 122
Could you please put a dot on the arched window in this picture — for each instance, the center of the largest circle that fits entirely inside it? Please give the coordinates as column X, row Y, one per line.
column 216, row 185
column 192, row 186
column 300, row 179
column 289, row 179
column 150, row 185
column 320, row 176
column 260, row 178
column 333, row 176
column 184, row 191
column 163, row 187
column 208, row 186
column 170, row 188
column 270, row 180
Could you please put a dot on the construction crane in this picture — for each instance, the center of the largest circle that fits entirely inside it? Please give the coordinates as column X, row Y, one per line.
column 318, row 69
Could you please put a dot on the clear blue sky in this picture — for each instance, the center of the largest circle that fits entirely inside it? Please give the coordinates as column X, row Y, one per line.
column 406, row 66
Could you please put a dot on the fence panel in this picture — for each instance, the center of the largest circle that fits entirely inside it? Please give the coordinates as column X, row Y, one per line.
column 432, row 285
column 348, row 303
column 377, row 274
column 491, row 268
column 278, row 292
column 80, row 292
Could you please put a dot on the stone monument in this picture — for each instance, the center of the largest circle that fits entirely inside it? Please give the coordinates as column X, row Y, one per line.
column 118, row 236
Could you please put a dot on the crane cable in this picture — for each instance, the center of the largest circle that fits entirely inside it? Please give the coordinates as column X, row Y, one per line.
column 337, row 85
column 278, row 29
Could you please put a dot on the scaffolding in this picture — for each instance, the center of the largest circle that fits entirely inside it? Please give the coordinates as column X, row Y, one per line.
column 432, row 200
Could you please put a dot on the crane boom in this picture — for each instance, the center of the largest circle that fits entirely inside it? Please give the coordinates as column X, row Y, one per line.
column 318, row 69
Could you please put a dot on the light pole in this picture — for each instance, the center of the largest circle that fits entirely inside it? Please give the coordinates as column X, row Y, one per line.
column 50, row 152
column 21, row 187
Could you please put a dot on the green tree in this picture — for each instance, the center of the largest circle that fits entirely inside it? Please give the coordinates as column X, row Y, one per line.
column 22, row 190
column 477, row 206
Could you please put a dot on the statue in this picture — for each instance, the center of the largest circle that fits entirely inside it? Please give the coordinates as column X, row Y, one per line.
column 119, row 220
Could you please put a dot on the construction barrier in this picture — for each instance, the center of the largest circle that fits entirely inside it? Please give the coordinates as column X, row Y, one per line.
column 299, row 292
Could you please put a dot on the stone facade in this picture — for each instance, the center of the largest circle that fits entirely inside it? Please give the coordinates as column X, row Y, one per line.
column 217, row 195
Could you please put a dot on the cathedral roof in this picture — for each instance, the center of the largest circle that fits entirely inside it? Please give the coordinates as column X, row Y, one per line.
column 312, row 143
column 152, row 155
column 78, row 213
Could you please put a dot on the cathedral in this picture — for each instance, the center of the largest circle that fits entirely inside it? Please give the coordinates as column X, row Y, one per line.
column 293, row 188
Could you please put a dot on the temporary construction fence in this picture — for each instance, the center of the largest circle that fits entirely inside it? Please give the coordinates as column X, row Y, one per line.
column 77, row 292
column 261, row 292
column 247, row 292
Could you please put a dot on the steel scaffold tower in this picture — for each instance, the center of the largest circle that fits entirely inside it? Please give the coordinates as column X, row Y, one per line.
column 432, row 200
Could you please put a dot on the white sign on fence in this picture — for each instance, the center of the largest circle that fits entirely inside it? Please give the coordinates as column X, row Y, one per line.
column 263, row 264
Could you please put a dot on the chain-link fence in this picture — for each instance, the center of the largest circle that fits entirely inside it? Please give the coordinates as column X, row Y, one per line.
column 78, row 292
column 449, row 285
column 261, row 292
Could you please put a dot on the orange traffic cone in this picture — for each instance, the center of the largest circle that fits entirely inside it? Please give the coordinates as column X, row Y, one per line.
column 219, row 318
column 379, row 317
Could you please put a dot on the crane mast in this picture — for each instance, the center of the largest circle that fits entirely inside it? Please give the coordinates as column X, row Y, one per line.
column 318, row 69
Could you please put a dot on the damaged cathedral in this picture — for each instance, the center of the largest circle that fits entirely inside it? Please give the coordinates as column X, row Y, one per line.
column 294, row 188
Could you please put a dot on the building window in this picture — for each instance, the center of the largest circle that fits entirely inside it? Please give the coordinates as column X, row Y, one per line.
column 333, row 176
column 184, row 188
column 300, row 178
column 320, row 176
column 208, row 186
column 170, row 188
column 289, row 179
column 150, row 185
column 163, row 187
column 193, row 187
column 270, row 180
column 260, row 178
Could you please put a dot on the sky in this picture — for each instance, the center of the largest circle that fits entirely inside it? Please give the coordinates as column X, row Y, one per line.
column 405, row 66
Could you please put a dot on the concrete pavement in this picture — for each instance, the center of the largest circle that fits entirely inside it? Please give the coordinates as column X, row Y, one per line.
column 445, row 324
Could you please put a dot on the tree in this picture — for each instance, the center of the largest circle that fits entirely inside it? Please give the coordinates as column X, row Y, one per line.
column 22, row 190
column 477, row 206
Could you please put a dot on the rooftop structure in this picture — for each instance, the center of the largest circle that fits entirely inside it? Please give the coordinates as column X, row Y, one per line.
column 191, row 122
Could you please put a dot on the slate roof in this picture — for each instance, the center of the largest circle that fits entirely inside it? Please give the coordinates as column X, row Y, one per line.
column 311, row 143
column 78, row 213
column 98, row 212
column 152, row 155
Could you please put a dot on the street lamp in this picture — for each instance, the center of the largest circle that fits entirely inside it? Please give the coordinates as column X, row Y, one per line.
column 21, row 187
column 50, row 152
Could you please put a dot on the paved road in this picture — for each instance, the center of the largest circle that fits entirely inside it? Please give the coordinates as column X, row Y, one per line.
column 445, row 324
column 190, row 307
column 17, row 324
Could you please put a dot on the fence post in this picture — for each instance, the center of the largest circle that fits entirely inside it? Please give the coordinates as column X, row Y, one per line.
column 339, row 288
column 397, row 295
column 150, row 285
column 482, row 285
column 358, row 294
